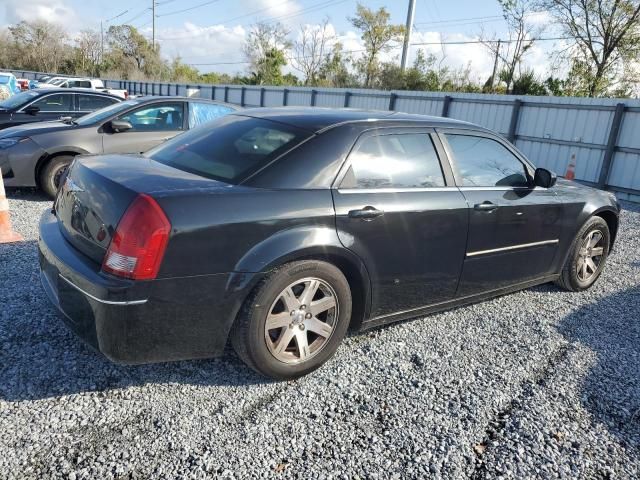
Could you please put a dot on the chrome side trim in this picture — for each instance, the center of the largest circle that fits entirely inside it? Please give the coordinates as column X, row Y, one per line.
column 397, row 190
column 512, row 247
column 106, row 302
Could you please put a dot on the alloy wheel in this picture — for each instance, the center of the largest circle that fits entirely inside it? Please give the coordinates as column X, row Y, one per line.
column 301, row 320
column 590, row 256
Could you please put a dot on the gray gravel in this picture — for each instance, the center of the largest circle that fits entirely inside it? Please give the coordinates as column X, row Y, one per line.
column 541, row 383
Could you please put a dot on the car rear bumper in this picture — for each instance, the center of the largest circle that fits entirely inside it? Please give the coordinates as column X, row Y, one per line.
column 136, row 322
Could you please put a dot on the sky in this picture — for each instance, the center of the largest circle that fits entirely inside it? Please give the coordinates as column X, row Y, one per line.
column 210, row 34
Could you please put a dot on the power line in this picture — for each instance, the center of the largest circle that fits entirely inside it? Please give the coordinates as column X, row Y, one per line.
column 135, row 17
column 461, row 42
column 175, row 12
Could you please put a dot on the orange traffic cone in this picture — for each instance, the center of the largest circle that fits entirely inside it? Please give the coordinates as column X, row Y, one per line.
column 571, row 168
column 6, row 233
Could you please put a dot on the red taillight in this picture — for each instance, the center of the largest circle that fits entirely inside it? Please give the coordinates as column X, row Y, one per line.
column 137, row 247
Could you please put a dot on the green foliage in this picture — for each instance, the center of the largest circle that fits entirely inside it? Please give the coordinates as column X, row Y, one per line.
column 378, row 37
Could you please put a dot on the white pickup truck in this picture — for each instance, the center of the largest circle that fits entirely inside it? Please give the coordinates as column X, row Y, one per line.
column 88, row 83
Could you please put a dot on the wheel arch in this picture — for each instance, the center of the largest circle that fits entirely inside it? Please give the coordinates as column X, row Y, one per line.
column 611, row 217
column 309, row 243
column 48, row 156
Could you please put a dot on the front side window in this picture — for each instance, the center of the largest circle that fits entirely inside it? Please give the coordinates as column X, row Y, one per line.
column 394, row 161
column 229, row 148
column 88, row 103
column 156, row 117
column 201, row 112
column 57, row 102
column 484, row 162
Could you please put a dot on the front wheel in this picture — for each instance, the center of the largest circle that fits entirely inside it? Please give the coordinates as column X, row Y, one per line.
column 587, row 256
column 53, row 172
column 294, row 321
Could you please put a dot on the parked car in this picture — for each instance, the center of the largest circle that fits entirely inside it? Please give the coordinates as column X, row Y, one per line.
column 39, row 154
column 23, row 84
column 9, row 81
column 281, row 228
column 87, row 83
column 41, row 105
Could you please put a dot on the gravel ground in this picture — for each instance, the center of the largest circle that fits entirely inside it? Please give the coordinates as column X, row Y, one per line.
column 541, row 383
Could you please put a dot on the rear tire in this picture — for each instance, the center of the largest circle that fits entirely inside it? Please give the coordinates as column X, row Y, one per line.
column 587, row 256
column 53, row 172
column 294, row 320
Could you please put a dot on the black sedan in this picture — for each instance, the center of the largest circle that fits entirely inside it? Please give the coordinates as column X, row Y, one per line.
column 281, row 228
column 51, row 104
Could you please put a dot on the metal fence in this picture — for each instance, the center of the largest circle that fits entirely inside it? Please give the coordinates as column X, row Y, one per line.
column 602, row 134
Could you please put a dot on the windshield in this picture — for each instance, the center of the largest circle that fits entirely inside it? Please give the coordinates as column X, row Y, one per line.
column 18, row 99
column 58, row 81
column 104, row 113
column 229, row 148
column 4, row 78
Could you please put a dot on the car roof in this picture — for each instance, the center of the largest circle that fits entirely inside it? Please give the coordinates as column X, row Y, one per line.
column 168, row 98
column 73, row 90
column 317, row 118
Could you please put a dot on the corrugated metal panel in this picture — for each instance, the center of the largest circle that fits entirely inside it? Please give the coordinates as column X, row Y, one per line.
column 494, row 117
column 273, row 98
column 252, row 97
column 625, row 171
column 299, row 98
column 630, row 130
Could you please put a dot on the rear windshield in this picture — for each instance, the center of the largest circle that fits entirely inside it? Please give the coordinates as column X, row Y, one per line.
column 229, row 148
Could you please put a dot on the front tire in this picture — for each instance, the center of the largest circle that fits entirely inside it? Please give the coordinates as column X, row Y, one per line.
column 294, row 320
column 587, row 256
column 53, row 172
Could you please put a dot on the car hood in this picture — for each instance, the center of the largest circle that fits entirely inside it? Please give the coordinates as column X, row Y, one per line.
column 34, row 128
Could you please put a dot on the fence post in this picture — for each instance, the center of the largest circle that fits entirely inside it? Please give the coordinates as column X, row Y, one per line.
column 285, row 97
column 262, row 96
column 226, row 94
column 347, row 96
column 213, row 92
column 445, row 106
column 515, row 117
column 313, row 97
column 610, row 152
column 242, row 90
column 392, row 101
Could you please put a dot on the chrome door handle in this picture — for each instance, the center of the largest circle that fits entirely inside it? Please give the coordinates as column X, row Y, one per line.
column 485, row 206
column 366, row 213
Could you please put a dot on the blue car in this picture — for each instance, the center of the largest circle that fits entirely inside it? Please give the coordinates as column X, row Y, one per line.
column 9, row 81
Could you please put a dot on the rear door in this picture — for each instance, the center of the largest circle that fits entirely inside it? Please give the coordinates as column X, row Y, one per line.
column 88, row 102
column 151, row 124
column 514, row 227
column 398, row 210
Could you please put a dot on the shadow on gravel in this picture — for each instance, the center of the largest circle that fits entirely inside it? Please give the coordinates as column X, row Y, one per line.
column 41, row 358
column 611, row 391
column 26, row 194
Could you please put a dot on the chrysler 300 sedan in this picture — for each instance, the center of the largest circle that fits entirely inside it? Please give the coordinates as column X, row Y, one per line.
column 38, row 154
column 278, row 229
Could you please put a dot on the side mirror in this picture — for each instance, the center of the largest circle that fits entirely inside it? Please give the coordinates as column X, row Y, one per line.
column 118, row 126
column 32, row 110
column 544, row 178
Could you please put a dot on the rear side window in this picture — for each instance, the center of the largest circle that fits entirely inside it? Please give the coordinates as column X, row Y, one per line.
column 484, row 162
column 57, row 102
column 229, row 148
column 89, row 103
column 201, row 112
column 394, row 161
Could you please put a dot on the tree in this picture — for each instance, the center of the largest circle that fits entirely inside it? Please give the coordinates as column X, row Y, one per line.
column 605, row 39
column 311, row 50
column 378, row 37
column 88, row 53
column 39, row 45
column 131, row 52
column 265, row 48
column 522, row 36
column 334, row 71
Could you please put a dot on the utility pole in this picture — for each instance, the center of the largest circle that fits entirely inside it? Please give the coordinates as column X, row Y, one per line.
column 407, row 34
column 153, row 24
column 495, row 66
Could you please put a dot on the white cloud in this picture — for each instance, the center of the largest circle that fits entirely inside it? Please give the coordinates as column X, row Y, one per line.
column 55, row 11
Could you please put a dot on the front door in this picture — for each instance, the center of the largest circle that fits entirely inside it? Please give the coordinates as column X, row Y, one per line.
column 514, row 227
column 398, row 210
column 47, row 108
column 151, row 125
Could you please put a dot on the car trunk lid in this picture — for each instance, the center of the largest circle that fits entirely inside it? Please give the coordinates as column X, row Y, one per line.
column 98, row 190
